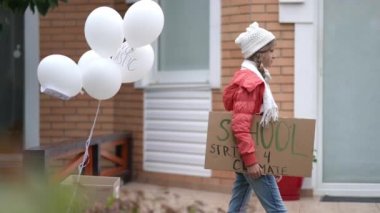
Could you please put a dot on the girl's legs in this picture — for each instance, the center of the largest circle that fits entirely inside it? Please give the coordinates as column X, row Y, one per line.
column 241, row 192
column 267, row 192
column 265, row 188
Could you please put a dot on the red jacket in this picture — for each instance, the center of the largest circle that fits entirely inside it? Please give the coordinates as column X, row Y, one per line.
column 244, row 97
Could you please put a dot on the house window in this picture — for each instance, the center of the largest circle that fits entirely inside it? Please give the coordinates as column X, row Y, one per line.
column 184, row 44
column 188, row 49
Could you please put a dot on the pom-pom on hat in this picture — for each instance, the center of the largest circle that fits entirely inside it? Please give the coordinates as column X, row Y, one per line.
column 253, row 39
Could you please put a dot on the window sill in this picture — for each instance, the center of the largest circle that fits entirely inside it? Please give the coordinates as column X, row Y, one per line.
column 191, row 86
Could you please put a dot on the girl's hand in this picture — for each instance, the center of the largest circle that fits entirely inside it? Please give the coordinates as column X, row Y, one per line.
column 278, row 178
column 255, row 171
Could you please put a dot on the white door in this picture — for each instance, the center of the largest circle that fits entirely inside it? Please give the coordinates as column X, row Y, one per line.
column 350, row 98
column 178, row 92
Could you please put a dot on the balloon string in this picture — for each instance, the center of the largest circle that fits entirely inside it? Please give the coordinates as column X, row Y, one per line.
column 85, row 159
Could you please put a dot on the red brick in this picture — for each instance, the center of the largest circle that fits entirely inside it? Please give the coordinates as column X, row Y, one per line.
column 283, row 97
column 227, row 3
column 275, row 88
column 235, row 28
column 258, row 8
column 62, row 126
column 286, row 114
column 283, row 62
column 287, row 34
column 52, row 118
column 274, row 70
column 285, row 44
column 265, row 1
column 287, row 88
column 282, row 79
column 287, row 106
column 76, row 118
column 236, row 18
column 287, row 53
column 278, row 26
column 264, row 17
column 63, row 110
column 271, row 8
column 53, row 133
column 83, row 125
column 235, row 10
column 287, row 70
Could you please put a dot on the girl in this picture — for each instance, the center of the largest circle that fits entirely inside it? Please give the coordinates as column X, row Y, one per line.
column 248, row 94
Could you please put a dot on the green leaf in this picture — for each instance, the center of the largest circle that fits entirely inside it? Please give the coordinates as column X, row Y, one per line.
column 32, row 6
column 53, row 3
column 19, row 6
column 16, row 6
column 42, row 7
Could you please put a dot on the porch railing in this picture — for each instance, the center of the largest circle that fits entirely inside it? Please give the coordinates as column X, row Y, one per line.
column 118, row 154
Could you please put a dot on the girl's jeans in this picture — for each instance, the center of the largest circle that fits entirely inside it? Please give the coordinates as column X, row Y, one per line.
column 265, row 188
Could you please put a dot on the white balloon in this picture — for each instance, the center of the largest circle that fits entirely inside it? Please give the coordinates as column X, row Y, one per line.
column 87, row 58
column 143, row 23
column 104, row 31
column 135, row 62
column 60, row 74
column 102, row 79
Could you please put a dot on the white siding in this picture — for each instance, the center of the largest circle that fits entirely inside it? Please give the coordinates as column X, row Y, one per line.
column 175, row 131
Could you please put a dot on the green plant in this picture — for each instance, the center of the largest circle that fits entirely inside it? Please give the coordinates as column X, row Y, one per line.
column 38, row 197
column 19, row 6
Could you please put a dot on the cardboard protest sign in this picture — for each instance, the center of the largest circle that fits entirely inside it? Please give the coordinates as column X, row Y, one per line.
column 282, row 148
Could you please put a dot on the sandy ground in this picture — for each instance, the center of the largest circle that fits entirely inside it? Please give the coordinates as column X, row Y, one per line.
column 211, row 202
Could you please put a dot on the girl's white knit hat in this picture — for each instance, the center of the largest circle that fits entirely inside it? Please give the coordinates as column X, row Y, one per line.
column 253, row 39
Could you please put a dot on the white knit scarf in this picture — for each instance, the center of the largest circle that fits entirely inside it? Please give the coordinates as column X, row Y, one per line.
column 269, row 107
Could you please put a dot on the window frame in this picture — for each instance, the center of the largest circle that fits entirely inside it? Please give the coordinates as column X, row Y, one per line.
column 209, row 77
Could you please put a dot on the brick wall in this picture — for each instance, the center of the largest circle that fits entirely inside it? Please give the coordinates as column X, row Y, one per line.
column 62, row 32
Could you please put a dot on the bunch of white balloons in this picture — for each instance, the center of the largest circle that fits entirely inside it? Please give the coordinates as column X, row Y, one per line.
column 120, row 53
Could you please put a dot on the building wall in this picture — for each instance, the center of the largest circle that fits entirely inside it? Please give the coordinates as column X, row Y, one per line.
column 62, row 32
